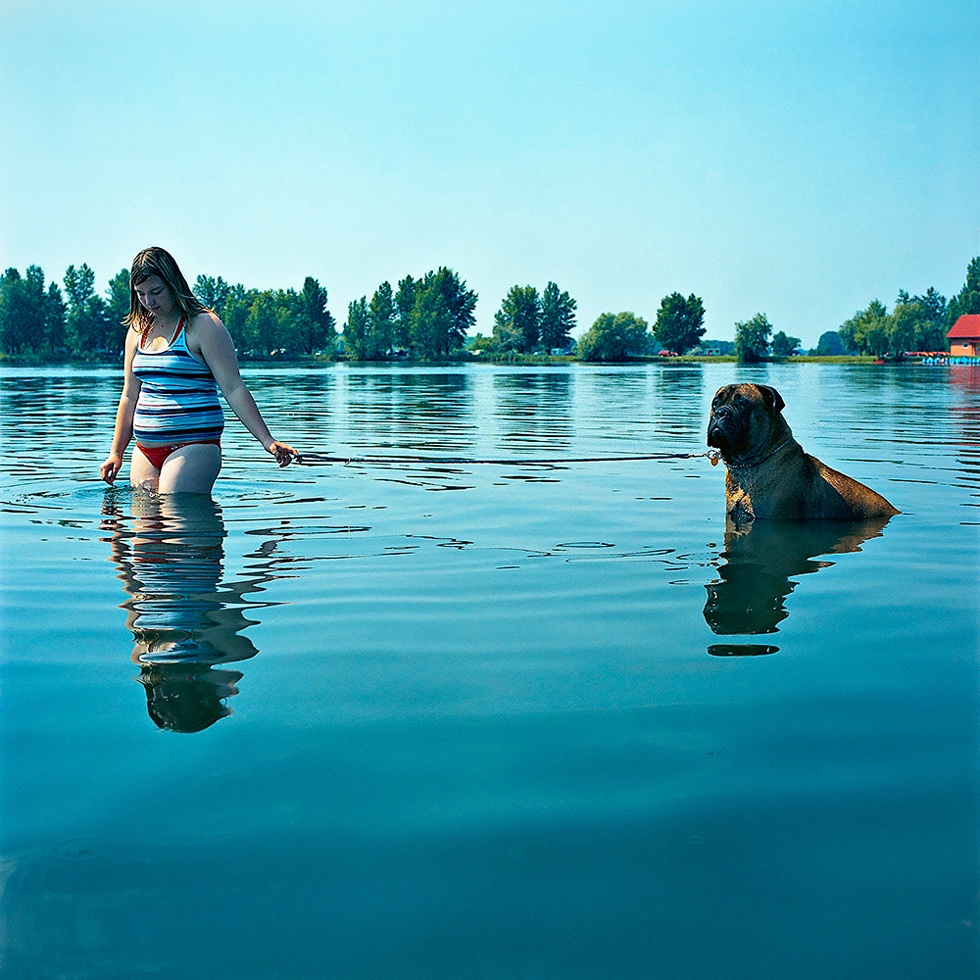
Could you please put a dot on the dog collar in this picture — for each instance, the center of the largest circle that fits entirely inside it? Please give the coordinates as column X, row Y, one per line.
column 758, row 462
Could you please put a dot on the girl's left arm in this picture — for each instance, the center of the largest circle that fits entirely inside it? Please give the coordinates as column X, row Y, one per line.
column 123, row 431
column 210, row 340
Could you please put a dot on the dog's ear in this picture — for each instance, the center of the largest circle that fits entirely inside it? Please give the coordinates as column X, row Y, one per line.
column 772, row 398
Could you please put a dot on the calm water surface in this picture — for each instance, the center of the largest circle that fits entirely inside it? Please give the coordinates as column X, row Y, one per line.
column 426, row 720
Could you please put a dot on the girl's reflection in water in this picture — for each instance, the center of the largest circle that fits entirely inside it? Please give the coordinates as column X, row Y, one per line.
column 185, row 620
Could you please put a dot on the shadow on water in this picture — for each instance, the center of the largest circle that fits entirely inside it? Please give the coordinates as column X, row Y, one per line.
column 186, row 622
column 759, row 559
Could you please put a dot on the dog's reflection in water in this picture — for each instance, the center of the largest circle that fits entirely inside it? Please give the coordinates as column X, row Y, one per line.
column 758, row 562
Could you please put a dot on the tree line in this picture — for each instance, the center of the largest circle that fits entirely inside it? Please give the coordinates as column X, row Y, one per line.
column 916, row 323
column 42, row 320
column 271, row 321
column 429, row 318
column 426, row 318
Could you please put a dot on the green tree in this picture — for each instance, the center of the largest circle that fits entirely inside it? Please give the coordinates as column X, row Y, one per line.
column 506, row 337
column 383, row 314
column 918, row 323
column 212, row 292
column 878, row 338
column 118, row 297
column 557, row 318
column 288, row 339
column 441, row 314
column 460, row 305
column 934, row 323
column 678, row 326
column 405, row 303
column 866, row 329
column 430, row 322
column 830, row 344
column 54, row 320
column 32, row 315
column 32, row 319
column 21, row 319
column 235, row 317
column 315, row 325
column 752, row 339
column 783, row 346
column 615, row 338
column 357, row 328
column 904, row 328
column 90, row 330
column 270, row 321
column 517, row 324
column 79, row 286
column 934, row 305
column 967, row 300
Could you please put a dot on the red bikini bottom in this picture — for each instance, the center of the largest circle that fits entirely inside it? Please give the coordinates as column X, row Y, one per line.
column 157, row 454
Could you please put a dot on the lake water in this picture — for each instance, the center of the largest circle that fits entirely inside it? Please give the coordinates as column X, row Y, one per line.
column 481, row 721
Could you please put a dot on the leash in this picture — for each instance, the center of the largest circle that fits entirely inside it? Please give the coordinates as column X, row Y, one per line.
column 321, row 459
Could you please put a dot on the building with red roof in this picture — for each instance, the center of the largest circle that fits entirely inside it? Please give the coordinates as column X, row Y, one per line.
column 964, row 336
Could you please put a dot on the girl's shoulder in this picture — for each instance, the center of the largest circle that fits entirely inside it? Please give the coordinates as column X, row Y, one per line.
column 205, row 320
column 132, row 340
column 203, row 332
column 201, row 326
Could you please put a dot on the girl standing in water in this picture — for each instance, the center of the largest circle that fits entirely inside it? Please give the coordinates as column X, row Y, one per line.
column 178, row 354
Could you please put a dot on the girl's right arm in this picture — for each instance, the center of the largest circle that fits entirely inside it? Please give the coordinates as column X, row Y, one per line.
column 124, row 414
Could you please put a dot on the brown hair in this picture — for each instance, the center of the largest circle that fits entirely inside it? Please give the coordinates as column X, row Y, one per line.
column 157, row 261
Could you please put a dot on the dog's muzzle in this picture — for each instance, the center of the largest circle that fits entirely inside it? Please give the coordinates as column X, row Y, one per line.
column 716, row 430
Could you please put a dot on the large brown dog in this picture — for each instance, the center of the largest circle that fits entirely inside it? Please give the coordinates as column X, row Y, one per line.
column 769, row 476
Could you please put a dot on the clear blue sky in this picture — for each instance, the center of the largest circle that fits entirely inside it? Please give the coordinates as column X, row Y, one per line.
column 794, row 157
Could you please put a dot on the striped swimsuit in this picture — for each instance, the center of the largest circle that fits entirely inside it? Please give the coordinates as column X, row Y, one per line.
column 178, row 400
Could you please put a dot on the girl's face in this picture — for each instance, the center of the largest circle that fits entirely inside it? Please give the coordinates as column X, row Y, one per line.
column 155, row 296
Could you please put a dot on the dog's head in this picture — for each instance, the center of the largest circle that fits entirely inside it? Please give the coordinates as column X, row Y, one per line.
column 743, row 419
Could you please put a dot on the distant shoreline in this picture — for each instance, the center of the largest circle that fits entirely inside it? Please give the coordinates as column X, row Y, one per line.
column 512, row 360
